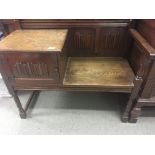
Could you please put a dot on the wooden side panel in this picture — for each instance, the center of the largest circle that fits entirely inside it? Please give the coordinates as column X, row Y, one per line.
column 25, row 69
column 31, row 70
column 149, row 87
column 138, row 58
column 135, row 57
column 32, row 65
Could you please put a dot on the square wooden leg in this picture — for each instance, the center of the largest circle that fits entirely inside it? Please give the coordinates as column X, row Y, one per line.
column 22, row 111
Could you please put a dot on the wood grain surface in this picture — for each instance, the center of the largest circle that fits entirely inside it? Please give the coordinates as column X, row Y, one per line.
column 34, row 40
column 99, row 71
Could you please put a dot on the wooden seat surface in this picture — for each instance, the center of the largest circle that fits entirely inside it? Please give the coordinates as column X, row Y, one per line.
column 99, row 71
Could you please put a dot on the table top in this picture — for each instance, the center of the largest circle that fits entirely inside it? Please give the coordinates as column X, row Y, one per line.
column 34, row 41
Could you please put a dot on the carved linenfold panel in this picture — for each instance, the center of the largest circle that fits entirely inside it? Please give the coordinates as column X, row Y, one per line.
column 33, row 66
column 39, row 70
column 83, row 40
column 113, row 39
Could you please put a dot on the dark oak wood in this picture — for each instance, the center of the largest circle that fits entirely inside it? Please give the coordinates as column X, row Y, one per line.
column 146, row 94
column 122, row 59
column 147, row 29
column 86, row 37
column 143, row 43
column 33, row 95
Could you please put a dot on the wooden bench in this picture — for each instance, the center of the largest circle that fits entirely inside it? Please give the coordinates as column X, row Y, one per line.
column 44, row 59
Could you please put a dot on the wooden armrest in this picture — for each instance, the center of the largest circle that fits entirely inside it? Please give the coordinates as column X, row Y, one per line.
column 143, row 43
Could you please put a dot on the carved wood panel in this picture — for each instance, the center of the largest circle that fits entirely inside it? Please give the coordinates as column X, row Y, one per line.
column 113, row 41
column 82, row 42
column 30, row 69
column 33, row 65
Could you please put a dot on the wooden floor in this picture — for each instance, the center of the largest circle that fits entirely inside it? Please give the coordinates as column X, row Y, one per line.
column 99, row 71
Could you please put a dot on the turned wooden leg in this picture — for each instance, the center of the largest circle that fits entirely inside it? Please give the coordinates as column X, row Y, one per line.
column 135, row 113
